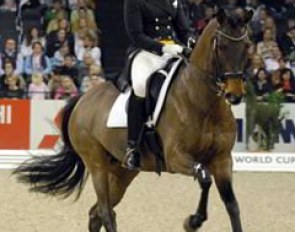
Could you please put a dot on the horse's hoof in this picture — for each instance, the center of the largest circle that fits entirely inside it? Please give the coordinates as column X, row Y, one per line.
column 187, row 225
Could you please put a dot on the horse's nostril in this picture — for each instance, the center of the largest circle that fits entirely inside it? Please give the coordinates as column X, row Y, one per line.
column 228, row 95
column 233, row 99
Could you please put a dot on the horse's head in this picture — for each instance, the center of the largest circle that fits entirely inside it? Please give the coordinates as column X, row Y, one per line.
column 230, row 47
column 224, row 43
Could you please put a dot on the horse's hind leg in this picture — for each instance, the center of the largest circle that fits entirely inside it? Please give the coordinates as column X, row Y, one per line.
column 95, row 223
column 222, row 173
column 194, row 222
column 110, row 187
column 105, row 214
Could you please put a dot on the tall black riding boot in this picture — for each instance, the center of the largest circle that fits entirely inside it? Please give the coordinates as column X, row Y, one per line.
column 136, row 116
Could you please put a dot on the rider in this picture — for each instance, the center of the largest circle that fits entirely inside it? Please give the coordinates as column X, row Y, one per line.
column 160, row 30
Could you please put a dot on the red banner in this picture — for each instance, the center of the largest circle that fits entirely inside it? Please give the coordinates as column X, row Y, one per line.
column 15, row 124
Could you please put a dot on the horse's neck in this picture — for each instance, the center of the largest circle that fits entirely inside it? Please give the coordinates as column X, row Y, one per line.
column 198, row 90
column 200, row 73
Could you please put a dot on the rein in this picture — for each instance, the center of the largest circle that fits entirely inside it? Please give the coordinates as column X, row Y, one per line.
column 236, row 39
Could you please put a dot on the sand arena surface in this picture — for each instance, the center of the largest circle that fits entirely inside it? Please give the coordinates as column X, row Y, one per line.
column 152, row 204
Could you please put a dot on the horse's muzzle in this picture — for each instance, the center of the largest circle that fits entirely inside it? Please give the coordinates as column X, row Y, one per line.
column 233, row 99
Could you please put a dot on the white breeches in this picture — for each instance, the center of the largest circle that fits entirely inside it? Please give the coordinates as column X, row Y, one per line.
column 144, row 64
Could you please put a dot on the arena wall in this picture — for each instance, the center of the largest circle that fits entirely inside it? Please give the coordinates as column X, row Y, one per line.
column 31, row 127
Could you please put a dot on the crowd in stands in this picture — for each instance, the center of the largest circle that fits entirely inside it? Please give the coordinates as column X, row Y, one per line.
column 271, row 64
column 59, row 55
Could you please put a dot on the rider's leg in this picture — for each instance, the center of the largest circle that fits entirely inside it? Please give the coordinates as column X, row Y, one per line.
column 136, row 115
column 143, row 66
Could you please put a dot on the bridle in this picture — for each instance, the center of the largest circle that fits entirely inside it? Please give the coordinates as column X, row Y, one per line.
column 219, row 76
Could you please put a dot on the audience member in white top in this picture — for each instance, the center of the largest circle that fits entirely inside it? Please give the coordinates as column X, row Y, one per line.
column 33, row 35
column 8, row 5
column 89, row 46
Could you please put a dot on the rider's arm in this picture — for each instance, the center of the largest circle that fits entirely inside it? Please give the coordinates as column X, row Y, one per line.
column 134, row 26
column 181, row 25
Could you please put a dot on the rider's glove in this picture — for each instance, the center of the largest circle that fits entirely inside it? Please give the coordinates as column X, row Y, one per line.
column 173, row 49
column 191, row 42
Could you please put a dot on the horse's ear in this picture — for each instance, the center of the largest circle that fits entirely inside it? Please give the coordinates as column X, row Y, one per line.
column 248, row 16
column 221, row 16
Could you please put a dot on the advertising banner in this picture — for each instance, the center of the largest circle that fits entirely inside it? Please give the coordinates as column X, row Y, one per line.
column 28, row 126
column 15, row 116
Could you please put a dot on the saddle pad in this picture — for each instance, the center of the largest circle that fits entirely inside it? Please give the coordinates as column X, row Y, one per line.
column 118, row 115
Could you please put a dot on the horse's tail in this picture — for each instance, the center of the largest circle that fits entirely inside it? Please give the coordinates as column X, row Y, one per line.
column 60, row 174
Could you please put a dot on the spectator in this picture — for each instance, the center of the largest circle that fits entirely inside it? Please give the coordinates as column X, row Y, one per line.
column 55, row 9
column 84, row 66
column 96, row 79
column 90, row 46
column 69, row 69
column 90, row 82
column 288, row 85
column 262, row 86
column 85, row 85
column 76, row 4
column 38, row 61
column 283, row 64
column 54, row 83
column 276, row 84
column 200, row 23
column 8, row 72
column 38, row 90
column 83, row 13
column 67, row 89
column 256, row 63
column 53, row 25
column 33, row 35
column 264, row 48
column 288, row 44
column 272, row 62
column 257, row 23
column 269, row 23
column 13, row 89
column 58, row 37
column 9, row 6
column 10, row 54
column 95, row 69
column 59, row 55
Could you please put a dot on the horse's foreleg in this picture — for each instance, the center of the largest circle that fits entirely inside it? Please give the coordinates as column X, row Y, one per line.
column 223, row 179
column 195, row 221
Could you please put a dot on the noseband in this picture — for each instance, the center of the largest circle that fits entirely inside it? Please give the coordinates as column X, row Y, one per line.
column 222, row 77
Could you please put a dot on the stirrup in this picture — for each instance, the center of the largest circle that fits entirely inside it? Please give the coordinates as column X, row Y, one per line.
column 131, row 160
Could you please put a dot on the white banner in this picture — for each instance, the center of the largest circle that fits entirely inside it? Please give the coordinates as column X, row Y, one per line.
column 44, row 131
column 270, row 162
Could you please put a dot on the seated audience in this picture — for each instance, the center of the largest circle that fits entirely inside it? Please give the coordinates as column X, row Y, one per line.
column 38, row 61
column 262, row 86
column 38, row 90
column 67, row 89
column 12, row 89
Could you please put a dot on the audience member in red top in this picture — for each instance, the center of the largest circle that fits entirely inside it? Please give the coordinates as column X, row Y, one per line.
column 67, row 89
column 288, row 85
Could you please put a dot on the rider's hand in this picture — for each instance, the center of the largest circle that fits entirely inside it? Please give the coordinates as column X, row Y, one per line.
column 173, row 49
column 191, row 42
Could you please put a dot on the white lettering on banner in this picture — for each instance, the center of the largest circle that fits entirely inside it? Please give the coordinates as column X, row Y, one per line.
column 5, row 114
column 264, row 161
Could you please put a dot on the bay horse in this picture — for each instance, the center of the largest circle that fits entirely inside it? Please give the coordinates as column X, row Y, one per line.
column 197, row 129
